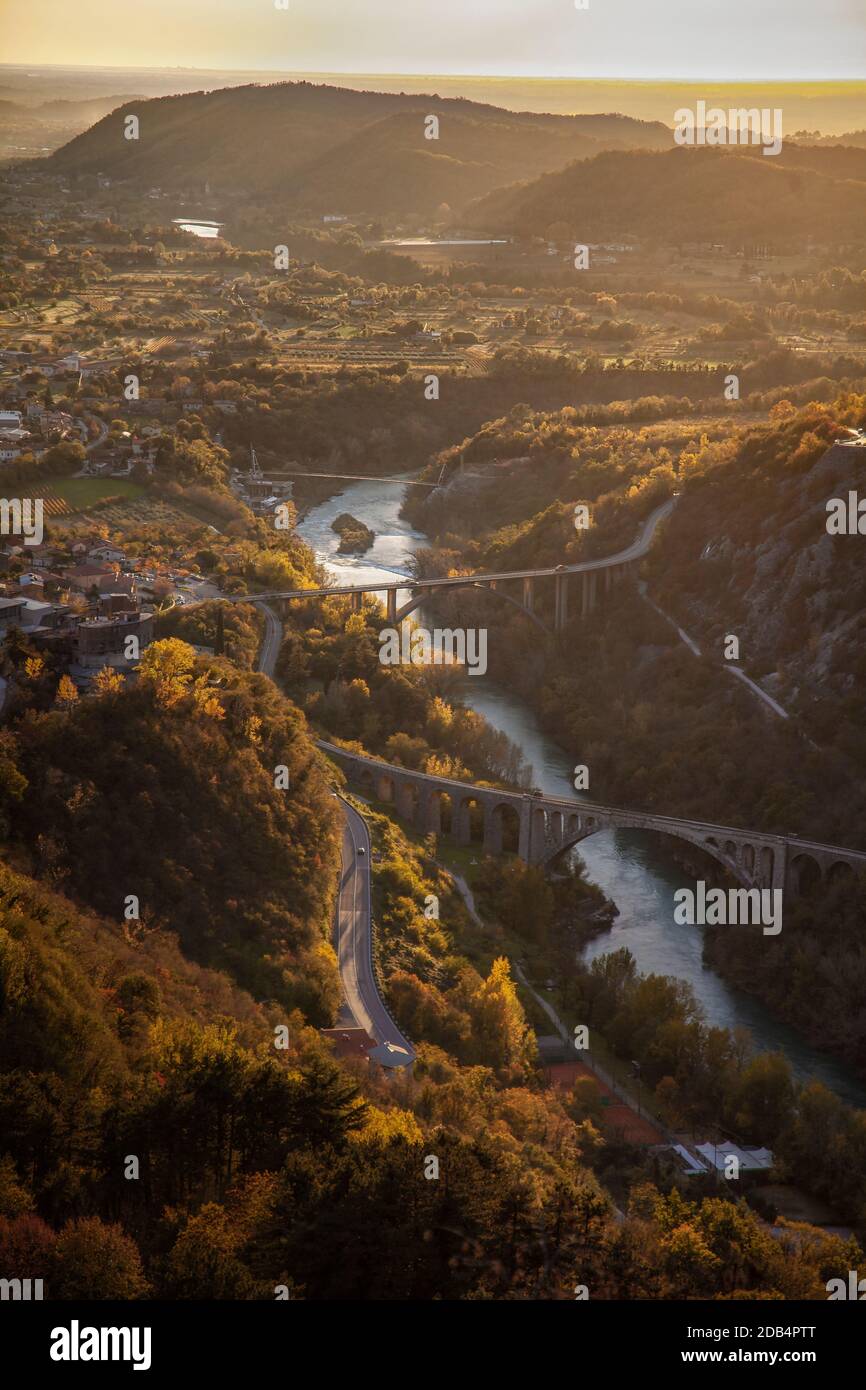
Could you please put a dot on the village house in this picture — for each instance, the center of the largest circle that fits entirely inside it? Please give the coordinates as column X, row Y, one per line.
column 86, row 577
column 35, row 583
column 42, row 556
column 110, row 554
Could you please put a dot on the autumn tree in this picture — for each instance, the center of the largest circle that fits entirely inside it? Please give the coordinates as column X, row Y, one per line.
column 67, row 694
column 167, row 665
column 93, row 1260
column 504, row 1037
column 108, row 681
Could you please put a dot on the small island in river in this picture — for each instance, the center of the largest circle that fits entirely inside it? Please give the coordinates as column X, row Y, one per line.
column 355, row 537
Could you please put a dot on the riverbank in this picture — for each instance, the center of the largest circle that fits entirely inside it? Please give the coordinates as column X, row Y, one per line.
column 623, row 1112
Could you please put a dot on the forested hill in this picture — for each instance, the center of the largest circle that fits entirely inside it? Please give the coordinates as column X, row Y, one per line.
column 165, row 792
column 329, row 149
column 688, row 195
column 749, row 552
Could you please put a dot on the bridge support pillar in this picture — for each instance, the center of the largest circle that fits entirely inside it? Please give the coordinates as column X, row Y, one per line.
column 391, row 605
column 608, row 580
column 531, row 838
column 780, row 866
column 430, row 814
column 524, row 841
column 462, row 824
column 538, row 845
column 357, row 599
column 404, row 801
column 561, row 602
column 588, row 592
column 529, row 594
column 492, row 830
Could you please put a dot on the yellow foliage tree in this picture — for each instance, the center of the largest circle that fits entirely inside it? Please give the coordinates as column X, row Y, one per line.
column 66, row 695
column 381, row 1126
column 502, row 1026
column 205, row 700
column 108, row 681
column 168, row 666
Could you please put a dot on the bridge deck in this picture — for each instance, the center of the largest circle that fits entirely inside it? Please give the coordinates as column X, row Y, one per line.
column 648, row 820
column 632, row 552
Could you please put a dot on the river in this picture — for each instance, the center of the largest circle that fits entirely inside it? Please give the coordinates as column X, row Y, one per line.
column 198, row 227
column 627, row 865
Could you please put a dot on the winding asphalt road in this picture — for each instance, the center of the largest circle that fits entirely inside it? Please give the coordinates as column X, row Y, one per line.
column 354, row 914
column 270, row 648
column 354, row 932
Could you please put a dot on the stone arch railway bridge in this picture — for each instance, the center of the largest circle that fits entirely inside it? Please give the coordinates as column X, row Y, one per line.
column 548, row 826
column 595, row 576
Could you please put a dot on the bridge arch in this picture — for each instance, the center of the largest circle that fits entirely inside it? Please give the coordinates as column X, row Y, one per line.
column 366, row 781
column 592, row 824
column 467, row 824
column 804, row 873
column 502, row 828
column 840, row 872
column 425, row 595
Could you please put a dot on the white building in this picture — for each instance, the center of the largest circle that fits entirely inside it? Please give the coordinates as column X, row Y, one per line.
column 717, row 1155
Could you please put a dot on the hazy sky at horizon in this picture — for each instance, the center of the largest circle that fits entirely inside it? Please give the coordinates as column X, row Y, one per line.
column 715, row 39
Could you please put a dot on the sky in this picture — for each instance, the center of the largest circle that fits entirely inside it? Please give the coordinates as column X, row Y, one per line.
column 652, row 39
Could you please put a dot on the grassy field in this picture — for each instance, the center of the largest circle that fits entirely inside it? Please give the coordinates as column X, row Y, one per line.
column 69, row 501
column 85, row 492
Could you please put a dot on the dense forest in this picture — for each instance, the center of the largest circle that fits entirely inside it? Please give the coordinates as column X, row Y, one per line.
column 157, row 1143
column 165, row 791
column 329, row 664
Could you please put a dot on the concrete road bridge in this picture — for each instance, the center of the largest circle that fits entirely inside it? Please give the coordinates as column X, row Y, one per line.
column 544, row 827
column 596, row 576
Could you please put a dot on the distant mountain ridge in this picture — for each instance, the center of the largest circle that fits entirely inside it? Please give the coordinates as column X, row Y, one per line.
column 682, row 195
column 336, row 149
